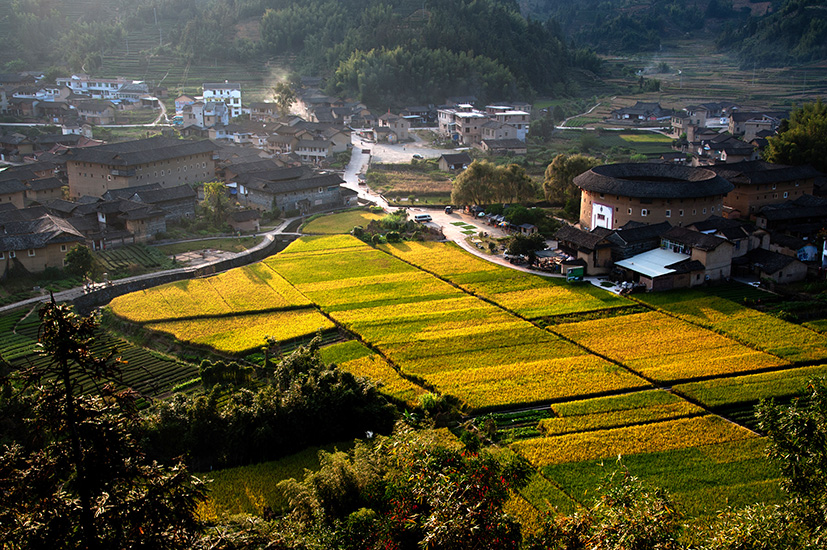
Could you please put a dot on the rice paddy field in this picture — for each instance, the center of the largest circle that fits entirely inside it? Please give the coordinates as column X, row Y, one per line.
column 342, row 222
column 576, row 376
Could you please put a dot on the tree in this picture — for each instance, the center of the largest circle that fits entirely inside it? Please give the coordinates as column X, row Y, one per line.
column 798, row 444
column 411, row 491
column 79, row 476
column 284, row 96
column 803, row 140
column 216, row 200
column 485, row 183
column 629, row 515
column 558, row 184
column 79, row 261
column 522, row 245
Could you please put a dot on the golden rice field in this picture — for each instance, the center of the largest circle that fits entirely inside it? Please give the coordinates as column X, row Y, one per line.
column 646, row 438
column 666, row 349
column 531, row 296
column 461, row 345
column 341, row 222
column 388, row 380
column 242, row 290
column 239, row 334
column 614, row 412
column 754, row 328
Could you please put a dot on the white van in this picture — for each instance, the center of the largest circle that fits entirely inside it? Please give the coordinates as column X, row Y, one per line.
column 422, row 218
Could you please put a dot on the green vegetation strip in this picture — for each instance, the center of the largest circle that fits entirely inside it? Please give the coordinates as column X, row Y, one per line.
column 751, row 388
column 753, row 328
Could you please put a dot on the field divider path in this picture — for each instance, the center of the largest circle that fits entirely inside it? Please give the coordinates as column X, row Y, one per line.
column 543, row 328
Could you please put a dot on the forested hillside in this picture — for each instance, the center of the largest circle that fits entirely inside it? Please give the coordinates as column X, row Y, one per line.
column 385, row 52
column 768, row 33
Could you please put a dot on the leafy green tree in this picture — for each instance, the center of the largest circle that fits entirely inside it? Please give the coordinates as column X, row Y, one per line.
column 798, row 444
column 79, row 261
column 284, row 96
column 558, row 184
column 216, row 200
column 79, row 479
column 411, row 491
column 803, row 140
column 485, row 183
column 526, row 245
column 629, row 515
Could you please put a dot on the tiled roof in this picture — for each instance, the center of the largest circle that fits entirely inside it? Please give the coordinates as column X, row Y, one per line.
column 130, row 153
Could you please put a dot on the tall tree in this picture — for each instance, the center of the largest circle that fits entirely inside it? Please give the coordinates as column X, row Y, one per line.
column 803, row 140
column 216, row 200
column 485, row 183
column 558, row 184
column 284, row 96
column 79, row 476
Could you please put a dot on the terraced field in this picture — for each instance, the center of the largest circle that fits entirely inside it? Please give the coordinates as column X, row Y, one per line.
column 431, row 317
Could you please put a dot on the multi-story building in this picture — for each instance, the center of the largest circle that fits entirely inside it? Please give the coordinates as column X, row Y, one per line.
column 98, row 88
column 612, row 195
column 467, row 125
column 169, row 162
column 228, row 92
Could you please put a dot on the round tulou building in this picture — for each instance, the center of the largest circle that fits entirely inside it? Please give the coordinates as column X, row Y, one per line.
column 614, row 194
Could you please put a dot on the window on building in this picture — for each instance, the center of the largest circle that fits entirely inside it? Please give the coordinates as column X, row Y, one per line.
column 31, row 252
column 63, row 248
column 668, row 213
column 630, row 211
column 644, row 212
column 12, row 254
column 680, row 213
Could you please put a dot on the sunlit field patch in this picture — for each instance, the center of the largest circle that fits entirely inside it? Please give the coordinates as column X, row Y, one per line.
column 664, row 348
column 244, row 333
column 754, row 328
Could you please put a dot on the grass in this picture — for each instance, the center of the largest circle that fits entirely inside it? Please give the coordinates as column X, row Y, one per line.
column 741, row 390
column 234, row 244
column 342, row 222
column 249, row 489
column 701, row 479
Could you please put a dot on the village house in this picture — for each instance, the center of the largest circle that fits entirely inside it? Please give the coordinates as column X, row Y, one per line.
column 641, row 112
column 176, row 202
column 265, row 187
column 245, row 221
column 96, row 88
column 454, row 162
column 759, row 183
column 591, row 247
column 228, row 92
column 169, row 162
column 34, row 245
column 398, row 126
column 748, row 123
column 772, row 266
column 96, row 111
column 684, row 259
column 504, row 146
column 464, row 124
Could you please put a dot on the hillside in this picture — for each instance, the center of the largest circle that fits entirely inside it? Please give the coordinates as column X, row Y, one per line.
column 766, row 34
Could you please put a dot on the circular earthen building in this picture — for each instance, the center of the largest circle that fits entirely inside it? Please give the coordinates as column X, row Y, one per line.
column 615, row 194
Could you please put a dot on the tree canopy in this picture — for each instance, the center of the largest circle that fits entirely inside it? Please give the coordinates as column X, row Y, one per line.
column 803, row 139
column 558, row 184
column 486, row 183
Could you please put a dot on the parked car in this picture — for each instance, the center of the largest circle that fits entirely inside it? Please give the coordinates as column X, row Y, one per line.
column 422, row 218
column 417, row 156
column 449, row 209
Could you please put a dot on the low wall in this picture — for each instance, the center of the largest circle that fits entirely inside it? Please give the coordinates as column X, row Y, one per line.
column 96, row 298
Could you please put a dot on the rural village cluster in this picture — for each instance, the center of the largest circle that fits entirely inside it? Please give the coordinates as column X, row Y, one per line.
column 662, row 224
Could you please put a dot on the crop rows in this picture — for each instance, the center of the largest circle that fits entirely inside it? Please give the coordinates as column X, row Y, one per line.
column 702, row 479
column 751, row 388
column 666, row 349
column 123, row 257
column 645, row 438
column 240, row 334
column 530, row 296
column 618, row 411
column 754, row 328
column 241, row 290
column 430, row 329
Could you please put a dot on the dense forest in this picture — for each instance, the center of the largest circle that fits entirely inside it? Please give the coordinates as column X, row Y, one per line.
column 384, row 52
column 776, row 33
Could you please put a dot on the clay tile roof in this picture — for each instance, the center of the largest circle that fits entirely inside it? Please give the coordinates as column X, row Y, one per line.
column 662, row 181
